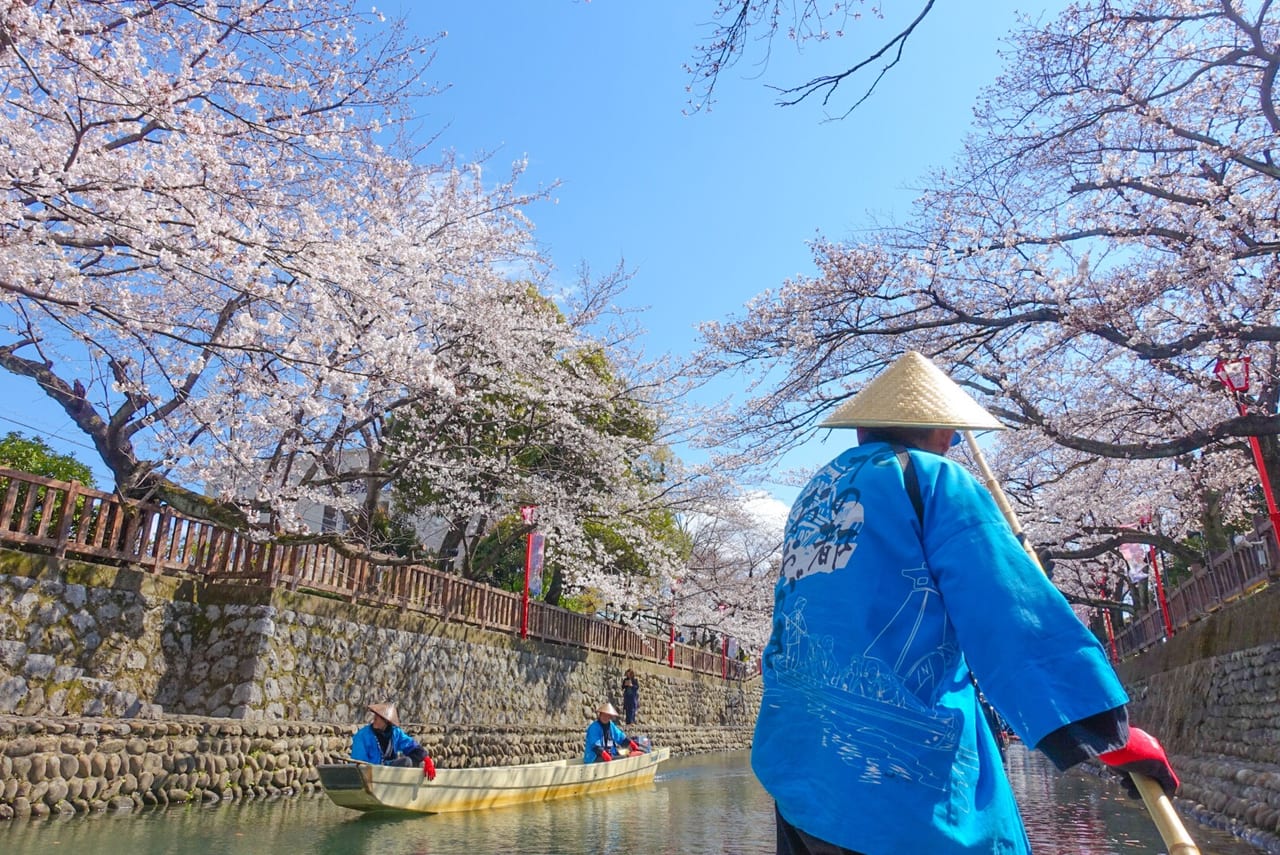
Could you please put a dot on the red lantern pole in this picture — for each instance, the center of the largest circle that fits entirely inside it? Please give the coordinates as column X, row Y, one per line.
column 1234, row 374
column 526, row 515
column 1145, row 522
column 1160, row 598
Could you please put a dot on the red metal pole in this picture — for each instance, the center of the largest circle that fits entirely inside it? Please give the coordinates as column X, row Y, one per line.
column 1261, row 465
column 524, row 603
column 671, row 647
column 1164, row 604
column 526, row 516
column 1111, row 636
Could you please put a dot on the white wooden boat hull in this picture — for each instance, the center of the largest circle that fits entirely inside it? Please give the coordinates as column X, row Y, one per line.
column 361, row 786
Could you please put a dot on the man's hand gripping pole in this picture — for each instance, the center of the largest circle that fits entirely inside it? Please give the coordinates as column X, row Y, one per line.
column 1172, row 831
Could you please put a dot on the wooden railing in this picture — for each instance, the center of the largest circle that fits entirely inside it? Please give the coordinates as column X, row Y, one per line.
column 1228, row 576
column 69, row 520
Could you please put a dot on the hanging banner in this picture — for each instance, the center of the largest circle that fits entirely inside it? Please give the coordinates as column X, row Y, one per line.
column 533, row 563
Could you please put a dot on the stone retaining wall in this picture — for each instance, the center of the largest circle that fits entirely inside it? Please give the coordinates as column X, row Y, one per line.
column 80, row 639
column 1212, row 696
column 83, row 640
column 122, row 688
column 75, row 765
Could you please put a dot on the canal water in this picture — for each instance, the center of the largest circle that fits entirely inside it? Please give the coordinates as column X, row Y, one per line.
column 700, row 804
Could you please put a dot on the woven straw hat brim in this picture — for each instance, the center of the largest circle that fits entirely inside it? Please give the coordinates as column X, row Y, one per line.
column 387, row 711
column 912, row 392
column 608, row 709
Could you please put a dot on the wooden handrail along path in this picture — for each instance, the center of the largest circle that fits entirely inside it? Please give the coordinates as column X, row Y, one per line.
column 1232, row 574
column 69, row 520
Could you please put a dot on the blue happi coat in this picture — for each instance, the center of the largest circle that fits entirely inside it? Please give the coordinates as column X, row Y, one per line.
column 364, row 745
column 870, row 734
column 607, row 737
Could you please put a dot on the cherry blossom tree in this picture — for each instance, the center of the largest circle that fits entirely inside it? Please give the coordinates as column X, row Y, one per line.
column 1106, row 235
column 176, row 233
column 735, row 546
column 226, row 258
column 554, row 424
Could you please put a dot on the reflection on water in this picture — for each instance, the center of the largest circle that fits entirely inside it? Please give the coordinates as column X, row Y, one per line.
column 1079, row 814
column 697, row 804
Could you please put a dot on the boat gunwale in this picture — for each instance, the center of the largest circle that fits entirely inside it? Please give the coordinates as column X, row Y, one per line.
column 461, row 786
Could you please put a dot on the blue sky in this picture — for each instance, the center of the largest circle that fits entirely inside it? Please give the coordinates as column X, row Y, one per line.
column 707, row 209
column 712, row 208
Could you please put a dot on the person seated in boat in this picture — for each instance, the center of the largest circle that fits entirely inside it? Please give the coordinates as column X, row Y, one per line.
column 382, row 742
column 605, row 740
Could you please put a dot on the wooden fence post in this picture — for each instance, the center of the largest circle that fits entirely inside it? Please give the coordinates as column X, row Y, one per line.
column 64, row 520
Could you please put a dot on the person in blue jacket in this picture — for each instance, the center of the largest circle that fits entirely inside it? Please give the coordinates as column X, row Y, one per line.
column 902, row 582
column 605, row 740
column 382, row 742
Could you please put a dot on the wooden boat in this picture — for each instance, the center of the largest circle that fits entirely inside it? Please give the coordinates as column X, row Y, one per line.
column 365, row 787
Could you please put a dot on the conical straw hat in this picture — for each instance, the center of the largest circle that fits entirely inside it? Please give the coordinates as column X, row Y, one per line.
column 387, row 711
column 913, row 392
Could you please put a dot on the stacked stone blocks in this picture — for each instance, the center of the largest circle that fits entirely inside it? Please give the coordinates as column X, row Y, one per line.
column 120, row 688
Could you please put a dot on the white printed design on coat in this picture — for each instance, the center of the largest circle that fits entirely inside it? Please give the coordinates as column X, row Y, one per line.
column 875, row 711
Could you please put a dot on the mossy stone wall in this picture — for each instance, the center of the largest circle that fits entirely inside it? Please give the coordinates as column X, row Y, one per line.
column 1212, row 696
column 121, row 688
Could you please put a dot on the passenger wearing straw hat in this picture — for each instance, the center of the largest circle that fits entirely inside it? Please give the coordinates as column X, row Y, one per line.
column 382, row 742
column 899, row 579
column 605, row 740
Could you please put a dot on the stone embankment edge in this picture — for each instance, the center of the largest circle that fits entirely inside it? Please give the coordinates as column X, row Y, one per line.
column 1210, row 694
column 81, row 765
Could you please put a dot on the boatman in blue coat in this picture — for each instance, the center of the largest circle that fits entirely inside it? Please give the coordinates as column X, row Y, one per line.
column 901, row 582
column 605, row 740
column 382, row 742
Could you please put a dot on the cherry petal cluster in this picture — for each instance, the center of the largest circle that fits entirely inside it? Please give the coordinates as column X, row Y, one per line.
column 1106, row 235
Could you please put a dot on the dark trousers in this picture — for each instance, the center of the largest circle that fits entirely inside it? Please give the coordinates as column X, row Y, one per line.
column 793, row 841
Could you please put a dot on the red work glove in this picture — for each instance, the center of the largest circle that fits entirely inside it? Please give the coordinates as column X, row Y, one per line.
column 428, row 769
column 631, row 743
column 1144, row 755
column 605, row 755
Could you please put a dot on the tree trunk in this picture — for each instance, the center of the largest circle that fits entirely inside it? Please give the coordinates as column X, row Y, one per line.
column 556, row 587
